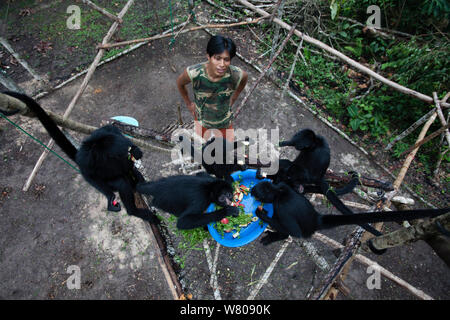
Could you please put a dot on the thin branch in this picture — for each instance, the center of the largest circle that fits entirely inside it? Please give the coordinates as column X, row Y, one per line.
column 161, row 36
column 381, row 31
column 414, row 126
column 441, row 153
column 279, row 13
column 425, row 140
column 275, row 10
column 219, row 7
column 412, row 154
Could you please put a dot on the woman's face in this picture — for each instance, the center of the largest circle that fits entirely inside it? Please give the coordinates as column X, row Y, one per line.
column 218, row 64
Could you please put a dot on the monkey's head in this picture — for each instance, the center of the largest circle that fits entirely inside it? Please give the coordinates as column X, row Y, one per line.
column 265, row 192
column 303, row 139
column 221, row 192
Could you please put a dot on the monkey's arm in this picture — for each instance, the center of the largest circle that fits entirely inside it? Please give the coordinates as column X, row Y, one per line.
column 271, row 236
column 191, row 219
column 126, row 193
column 349, row 186
column 104, row 188
column 339, row 192
column 262, row 214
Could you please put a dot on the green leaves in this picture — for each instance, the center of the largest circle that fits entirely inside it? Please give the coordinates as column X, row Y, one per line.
column 334, row 7
column 364, row 118
column 357, row 49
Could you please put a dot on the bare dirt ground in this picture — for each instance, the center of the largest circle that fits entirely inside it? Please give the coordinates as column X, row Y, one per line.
column 62, row 221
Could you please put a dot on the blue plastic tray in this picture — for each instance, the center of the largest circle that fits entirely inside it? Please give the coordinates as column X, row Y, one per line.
column 127, row 120
column 254, row 229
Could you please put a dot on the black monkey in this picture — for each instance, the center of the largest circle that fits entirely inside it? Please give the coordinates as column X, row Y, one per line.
column 221, row 169
column 282, row 176
column 307, row 171
column 187, row 197
column 312, row 163
column 105, row 159
column 310, row 166
column 294, row 215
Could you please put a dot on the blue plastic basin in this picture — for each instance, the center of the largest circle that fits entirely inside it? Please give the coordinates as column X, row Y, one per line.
column 254, row 229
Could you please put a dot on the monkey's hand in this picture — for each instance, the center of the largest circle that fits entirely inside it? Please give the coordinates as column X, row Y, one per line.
column 261, row 213
column 268, row 239
column 272, row 237
column 232, row 211
column 136, row 152
column 259, row 176
column 113, row 205
column 353, row 174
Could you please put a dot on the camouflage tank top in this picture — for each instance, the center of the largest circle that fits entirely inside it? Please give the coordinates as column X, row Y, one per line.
column 212, row 99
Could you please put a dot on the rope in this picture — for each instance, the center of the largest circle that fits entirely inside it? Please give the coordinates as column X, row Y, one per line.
column 38, row 141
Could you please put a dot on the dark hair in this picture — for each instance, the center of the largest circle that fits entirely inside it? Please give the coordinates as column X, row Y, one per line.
column 218, row 44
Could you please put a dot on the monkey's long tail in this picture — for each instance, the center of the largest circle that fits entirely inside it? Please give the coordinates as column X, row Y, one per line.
column 47, row 122
column 331, row 221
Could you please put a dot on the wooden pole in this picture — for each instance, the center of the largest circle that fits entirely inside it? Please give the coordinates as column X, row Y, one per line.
column 291, row 72
column 412, row 154
column 164, row 260
column 9, row 84
column 79, row 92
column 413, row 127
column 278, row 12
column 103, row 11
